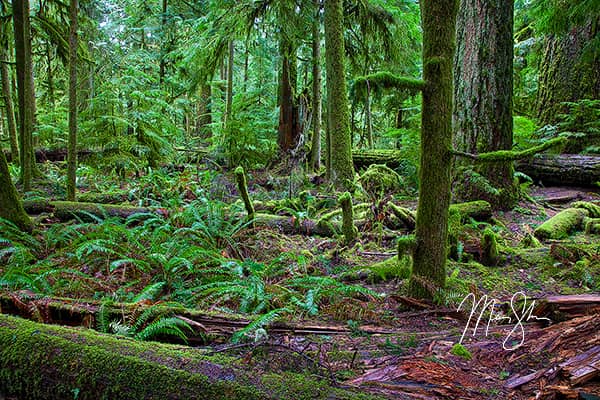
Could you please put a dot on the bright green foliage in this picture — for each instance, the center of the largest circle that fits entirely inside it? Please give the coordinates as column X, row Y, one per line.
column 562, row 224
column 461, row 351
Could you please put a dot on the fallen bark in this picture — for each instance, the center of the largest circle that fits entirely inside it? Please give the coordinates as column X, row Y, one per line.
column 39, row 361
column 564, row 169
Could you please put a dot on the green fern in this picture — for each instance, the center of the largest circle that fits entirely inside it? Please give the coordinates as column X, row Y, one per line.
column 264, row 320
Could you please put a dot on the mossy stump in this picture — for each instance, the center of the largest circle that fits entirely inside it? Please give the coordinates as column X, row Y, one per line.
column 348, row 228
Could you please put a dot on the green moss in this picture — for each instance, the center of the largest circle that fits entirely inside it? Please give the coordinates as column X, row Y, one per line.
column 348, row 228
column 480, row 210
column 406, row 245
column 380, row 180
column 242, row 184
column 386, row 80
column 593, row 209
column 65, row 210
column 512, row 155
column 562, row 224
column 489, row 248
column 392, row 268
column 461, row 351
column 11, row 207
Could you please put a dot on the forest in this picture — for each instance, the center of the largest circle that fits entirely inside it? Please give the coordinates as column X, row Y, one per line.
column 286, row 199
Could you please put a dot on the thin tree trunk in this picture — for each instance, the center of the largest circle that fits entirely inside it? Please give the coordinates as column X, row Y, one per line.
column 289, row 129
column 483, row 82
column 430, row 254
column 246, row 64
column 163, row 49
column 25, row 87
column 203, row 115
column 342, row 169
column 49, row 76
column 368, row 118
column 72, row 148
column 229, row 97
column 315, row 159
column 11, row 124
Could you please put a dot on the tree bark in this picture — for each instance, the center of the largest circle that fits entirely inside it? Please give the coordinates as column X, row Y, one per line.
column 229, row 95
column 483, row 87
column 342, row 170
column 11, row 123
column 564, row 75
column 25, row 87
column 11, row 207
column 289, row 127
column 50, row 76
column 368, row 117
column 163, row 48
column 72, row 146
column 429, row 261
column 315, row 158
column 204, row 111
column 563, row 169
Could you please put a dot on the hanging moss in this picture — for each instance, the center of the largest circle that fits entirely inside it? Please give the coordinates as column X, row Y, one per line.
column 511, row 155
column 489, row 248
column 562, row 224
column 242, row 184
column 385, row 80
column 348, row 228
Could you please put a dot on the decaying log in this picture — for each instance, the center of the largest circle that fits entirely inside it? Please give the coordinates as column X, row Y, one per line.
column 564, row 169
column 67, row 210
column 40, row 361
column 43, row 155
column 560, row 308
column 562, row 224
column 364, row 158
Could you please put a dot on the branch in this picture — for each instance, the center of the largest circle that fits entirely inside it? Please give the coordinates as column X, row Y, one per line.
column 509, row 155
column 387, row 80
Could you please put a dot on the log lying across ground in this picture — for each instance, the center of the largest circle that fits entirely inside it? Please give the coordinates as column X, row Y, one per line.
column 364, row 158
column 563, row 169
column 43, row 155
column 67, row 210
column 40, row 361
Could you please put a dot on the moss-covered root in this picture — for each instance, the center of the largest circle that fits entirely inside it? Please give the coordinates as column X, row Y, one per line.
column 489, row 248
column 592, row 226
column 406, row 245
column 242, row 184
column 562, row 224
column 593, row 209
column 479, row 210
column 348, row 228
column 49, row 362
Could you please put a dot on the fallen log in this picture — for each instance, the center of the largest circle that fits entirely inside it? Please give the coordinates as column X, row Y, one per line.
column 365, row 158
column 560, row 308
column 43, row 155
column 67, row 210
column 563, row 169
column 562, row 224
column 39, row 361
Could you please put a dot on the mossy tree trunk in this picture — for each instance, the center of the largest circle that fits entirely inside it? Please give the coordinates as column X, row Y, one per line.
column 429, row 262
column 289, row 126
column 11, row 123
column 11, row 207
column 483, row 88
column 564, row 74
column 72, row 147
column 229, row 94
column 315, row 158
column 204, row 111
column 26, row 92
column 342, row 170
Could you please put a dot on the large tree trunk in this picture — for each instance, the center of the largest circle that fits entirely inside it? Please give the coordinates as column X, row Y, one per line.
column 564, row 75
column 204, row 111
column 25, row 87
column 72, row 148
column 483, row 86
column 315, row 158
column 11, row 207
column 289, row 126
column 342, row 170
column 430, row 254
column 11, row 123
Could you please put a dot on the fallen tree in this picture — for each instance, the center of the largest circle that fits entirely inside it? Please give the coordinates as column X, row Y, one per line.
column 67, row 210
column 563, row 169
column 364, row 158
column 40, row 361
column 43, row 155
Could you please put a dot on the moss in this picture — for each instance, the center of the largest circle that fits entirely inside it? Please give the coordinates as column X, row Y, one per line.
column 385, row 80
column 562, row 224
column 11, row 207
column 593, row 209
column 242, row 184
column 461, row 351
column 480, row 210
column 348, row 228
column 65, row 210
column 406, row 245
column 379, row 181
column 592, row 226
column 511, row 155
column 392, row 268
column 49, row 362
column 530, row 241
column 489, row 248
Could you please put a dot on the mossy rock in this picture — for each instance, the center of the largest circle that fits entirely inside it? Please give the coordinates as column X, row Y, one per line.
column 380, row 181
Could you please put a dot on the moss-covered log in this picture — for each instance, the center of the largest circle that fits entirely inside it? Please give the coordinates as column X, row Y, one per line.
column 363, row 158
column 563, row 169
column 385, row 80
column 11, row 207
column 292, row 225
column 49, row 362
column 479, row 210
column 240, row 176
column 66, row 210
column 348, row 228
column 562, row 224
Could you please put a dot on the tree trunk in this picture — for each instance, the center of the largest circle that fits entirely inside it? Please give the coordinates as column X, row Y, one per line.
column 11, row 124
column 163, row 46
column 483, row 87
column 72, row 147
column 564, row 75
column 229, row 95
column 429, row 262
column 563, row 170
column 204, row 111
column 50, row 76
column 25, row 87
column 315, row 158
column 368, row 117
column 11, row 207
column 289, row 129
column 342, row 170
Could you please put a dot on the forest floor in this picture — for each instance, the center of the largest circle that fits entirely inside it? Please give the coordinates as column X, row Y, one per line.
column 379, row 341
